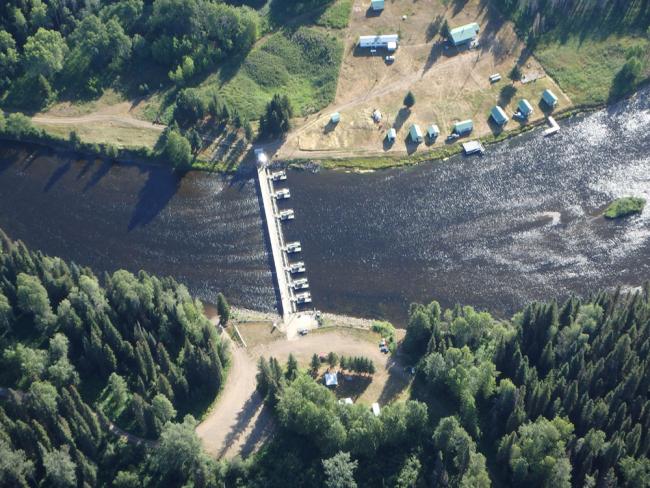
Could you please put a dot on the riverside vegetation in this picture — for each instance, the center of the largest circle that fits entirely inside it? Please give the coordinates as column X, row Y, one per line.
column 556, row 396
column 78, row 357
column 623, row 207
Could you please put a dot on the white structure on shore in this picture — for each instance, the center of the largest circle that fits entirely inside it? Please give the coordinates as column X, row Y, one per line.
column 387, row 41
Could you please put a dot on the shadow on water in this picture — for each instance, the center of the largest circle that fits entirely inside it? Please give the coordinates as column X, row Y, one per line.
column 97, row 175
column 161, row 185
column 57, row 175
column 269, row 251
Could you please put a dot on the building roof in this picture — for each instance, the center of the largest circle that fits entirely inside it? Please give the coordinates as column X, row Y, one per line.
column 377, row 4
column 463, row 126
column 433, row 130
column 392, row 133
column 525, row 107
column 331, row 379
column 464, row 33
column 415, row 132
column 549, row 97
column 336, row 117
column 499, row 115
column 383, row 39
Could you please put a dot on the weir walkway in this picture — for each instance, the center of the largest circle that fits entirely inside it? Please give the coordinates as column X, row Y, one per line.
column 273, row 226
column 294, row 320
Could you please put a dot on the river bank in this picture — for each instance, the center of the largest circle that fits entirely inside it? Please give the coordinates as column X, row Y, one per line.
column 517, row 225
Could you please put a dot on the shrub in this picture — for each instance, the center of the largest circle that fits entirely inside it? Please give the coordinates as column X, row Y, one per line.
column 20, row 126
column 623, row 207
column 409, row 99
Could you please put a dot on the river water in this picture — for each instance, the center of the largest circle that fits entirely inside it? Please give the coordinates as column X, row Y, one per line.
column 517, row 225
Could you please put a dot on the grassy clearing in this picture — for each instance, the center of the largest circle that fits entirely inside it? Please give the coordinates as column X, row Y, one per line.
column 127, row 137
column 337, row 16
column 585, row 68
column 623, row 207
column 303, row 65
column 256, row 333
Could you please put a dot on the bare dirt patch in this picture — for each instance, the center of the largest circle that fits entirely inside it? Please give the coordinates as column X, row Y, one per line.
column 449, row 85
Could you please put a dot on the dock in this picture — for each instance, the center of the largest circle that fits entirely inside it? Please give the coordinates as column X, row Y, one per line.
column 473, row 147
column 555, row 127
column 274, row 227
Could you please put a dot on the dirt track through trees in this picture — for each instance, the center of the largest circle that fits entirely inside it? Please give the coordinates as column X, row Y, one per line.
column 239, row 422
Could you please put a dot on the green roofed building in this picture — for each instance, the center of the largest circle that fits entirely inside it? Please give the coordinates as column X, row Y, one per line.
column 463, row 34
column 416, row 133
column 463, row 127
column 525, row 108
column 499, row 115
column 549, row 98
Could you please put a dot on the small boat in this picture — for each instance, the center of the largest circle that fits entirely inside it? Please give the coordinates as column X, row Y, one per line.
column 286, row 215
column 279, row 176
column 293, row 247
column 298, row 267
column 282, row 194
column 301, row 284
column 303, row 297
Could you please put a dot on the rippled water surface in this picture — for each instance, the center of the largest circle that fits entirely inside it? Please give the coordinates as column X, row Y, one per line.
column 204, row 231
column 519, row 224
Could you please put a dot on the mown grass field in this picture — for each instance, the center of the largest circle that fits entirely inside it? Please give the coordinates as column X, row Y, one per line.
column 121, row 136
column 585, row 68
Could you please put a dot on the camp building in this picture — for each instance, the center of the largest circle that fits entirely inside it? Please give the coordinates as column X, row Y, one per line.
column 464, row 34
column 549, row 98
column 499, row 115
column 463, row 127
column 377, row 5
column 525, row 108
column 387, row 41
column 416, row 133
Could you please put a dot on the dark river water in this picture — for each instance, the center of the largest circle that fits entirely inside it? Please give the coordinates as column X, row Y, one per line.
column 517, row 225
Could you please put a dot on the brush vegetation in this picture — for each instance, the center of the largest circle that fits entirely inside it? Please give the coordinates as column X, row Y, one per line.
column 623, row 207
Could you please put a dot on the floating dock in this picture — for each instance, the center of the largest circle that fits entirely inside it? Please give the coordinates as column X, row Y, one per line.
column 273, row 224
column 473, row 147
column 555, row 127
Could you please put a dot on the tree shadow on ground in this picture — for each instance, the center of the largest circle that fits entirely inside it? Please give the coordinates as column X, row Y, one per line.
column 244, row 417
column 354, row 387
column 398, row 379
column 161, row 185
column 435, row 53
column 506, row 94
column 262, row 430
column 459, row 5
column 402, row 116
column 57, row 175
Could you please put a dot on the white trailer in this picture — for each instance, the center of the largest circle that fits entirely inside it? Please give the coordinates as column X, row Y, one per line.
column 387, row 41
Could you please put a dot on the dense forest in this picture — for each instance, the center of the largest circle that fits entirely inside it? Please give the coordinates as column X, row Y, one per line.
column 73, row 49
column 558, row 396
column 555, row 397
column 81, row 361
column 573, row 16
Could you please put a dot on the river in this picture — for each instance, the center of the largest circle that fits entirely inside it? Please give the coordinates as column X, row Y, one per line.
column 519, row 224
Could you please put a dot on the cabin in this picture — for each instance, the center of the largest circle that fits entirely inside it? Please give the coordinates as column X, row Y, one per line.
column 525, row 108
column 549, row 98
column 463, row 127
column 377, row 5
column 391, row 135
column 335, row 118
column 415, row 134
column 499, row 115
column 464, row 34
column 387, row 41
column 331, row 380
column 433, row 131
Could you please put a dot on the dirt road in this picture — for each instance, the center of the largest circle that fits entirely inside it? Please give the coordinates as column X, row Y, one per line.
column 120, row 119
column 239, row 422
